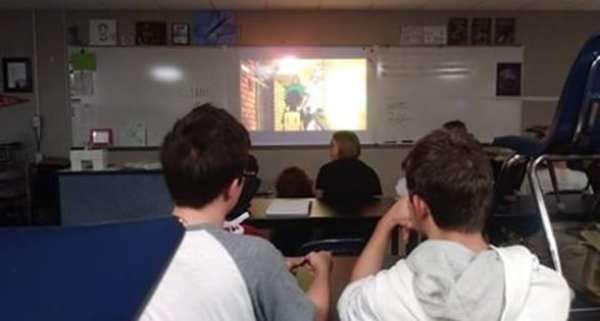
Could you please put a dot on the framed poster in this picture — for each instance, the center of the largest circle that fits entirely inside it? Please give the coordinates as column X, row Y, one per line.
column 180, row 34
column 103, row 32
column 508, row 79
column 151, row 33
column 481, row 31
column 214, row 27
column 17, row 75
column 458, row 31
column 505, row 31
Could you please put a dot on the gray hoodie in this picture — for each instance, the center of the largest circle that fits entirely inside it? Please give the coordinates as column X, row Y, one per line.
column 452, row 282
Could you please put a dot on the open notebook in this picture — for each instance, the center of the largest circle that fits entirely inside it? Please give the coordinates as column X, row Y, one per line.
column 289, row 207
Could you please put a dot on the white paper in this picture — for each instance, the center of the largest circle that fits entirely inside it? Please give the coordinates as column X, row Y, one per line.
column 411, row 35
column 286, row 206
column 434, row 35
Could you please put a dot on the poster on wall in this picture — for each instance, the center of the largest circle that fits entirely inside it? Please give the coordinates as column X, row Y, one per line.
column 508, row 79
column 481, row 31
column 103, row 32
column 17, row 75
column 506, row 31
column 6, row 101
column 213, row 27
column 151, row 33
column 458, row 31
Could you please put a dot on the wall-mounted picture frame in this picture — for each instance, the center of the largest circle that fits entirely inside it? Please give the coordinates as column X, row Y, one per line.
column 101, row 137
column 458, row 31
column 481, row 31
column 508, row 79
column 151, row 33
column 506, row 32
column 16, row 75
column 180, row 34
column 103, row 32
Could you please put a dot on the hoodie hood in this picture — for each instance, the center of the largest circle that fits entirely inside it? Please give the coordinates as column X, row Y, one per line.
column 451, row 282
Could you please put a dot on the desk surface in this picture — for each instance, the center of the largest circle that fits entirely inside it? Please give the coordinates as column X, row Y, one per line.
column 321, row 213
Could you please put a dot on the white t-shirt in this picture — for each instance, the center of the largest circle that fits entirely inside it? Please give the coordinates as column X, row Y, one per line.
column 216, row 275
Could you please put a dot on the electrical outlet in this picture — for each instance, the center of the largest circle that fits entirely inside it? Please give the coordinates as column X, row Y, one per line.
column 36, row 121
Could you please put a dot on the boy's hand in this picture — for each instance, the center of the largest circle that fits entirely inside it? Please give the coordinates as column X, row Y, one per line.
column 399, row 215
column 319, row 263
column 293, row 263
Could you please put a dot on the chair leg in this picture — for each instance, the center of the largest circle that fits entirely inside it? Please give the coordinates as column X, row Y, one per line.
column 554, row 181
column 538, row 195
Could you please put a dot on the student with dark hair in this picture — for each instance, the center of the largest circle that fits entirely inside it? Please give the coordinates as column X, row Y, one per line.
column 293, row 182
column 216, row 275
column 455, row 125
column 455, row 274
column 346, row 178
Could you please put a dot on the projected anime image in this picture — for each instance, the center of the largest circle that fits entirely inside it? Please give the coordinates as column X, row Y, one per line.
column 295, row 95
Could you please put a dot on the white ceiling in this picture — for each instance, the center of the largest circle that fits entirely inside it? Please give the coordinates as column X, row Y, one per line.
column 308, row 4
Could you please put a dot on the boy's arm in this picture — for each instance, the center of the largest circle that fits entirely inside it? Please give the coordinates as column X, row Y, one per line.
column 318, row 293
column 370, row 260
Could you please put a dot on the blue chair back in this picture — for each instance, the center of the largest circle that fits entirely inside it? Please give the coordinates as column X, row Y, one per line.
column 569, row 114
column 338, row 247
column 103, row 272
column 589, row 139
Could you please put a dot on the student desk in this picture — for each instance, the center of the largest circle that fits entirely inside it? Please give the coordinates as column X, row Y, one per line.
column 325, row 215
column 321, row 213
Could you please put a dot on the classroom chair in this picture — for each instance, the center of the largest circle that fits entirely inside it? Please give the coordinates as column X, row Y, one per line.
column 337, row 247
column 571, row 118
column 585, row 143
column 101, row 272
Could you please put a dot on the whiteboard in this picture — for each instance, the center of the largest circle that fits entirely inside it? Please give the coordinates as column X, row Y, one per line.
column 154, row 86
column 419, row 89
column 411, row 91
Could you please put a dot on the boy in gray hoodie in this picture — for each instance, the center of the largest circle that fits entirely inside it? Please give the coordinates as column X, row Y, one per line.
column 455, row 275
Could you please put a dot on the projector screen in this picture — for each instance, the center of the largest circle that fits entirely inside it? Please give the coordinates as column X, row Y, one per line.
column 302, row 96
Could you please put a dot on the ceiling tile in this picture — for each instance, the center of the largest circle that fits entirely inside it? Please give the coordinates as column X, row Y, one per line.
column 80, row 4
column 346, row 4
column 503, row 4
column 450, row 5
column 240, row 4
column 130, row 4
column 554, row 4
column 183, row 4
column 588, row 5
column 293, row 4
column 25, row 4
column 399, row 4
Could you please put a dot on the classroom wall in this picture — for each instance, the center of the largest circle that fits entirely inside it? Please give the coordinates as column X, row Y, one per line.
column 551, row 41
column 16, row 41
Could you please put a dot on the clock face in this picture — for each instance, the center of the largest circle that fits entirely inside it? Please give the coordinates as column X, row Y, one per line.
column 214, row 28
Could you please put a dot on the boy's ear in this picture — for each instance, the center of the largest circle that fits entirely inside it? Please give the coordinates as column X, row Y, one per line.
column 421, row 209
column 233, row 189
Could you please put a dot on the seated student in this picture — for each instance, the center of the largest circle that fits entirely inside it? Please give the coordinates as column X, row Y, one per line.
column 568, row 180
column 216, row 275
column 251, row 185
column 293, row 182
column 346, row 178
column 455, row 275
column 456, row 124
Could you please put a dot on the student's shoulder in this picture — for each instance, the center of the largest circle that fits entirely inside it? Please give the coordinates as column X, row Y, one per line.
column 247, row 247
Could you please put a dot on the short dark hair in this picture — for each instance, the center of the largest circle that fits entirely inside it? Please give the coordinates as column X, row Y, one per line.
column 348, row 144
column 452, row 173
column 293, row 182
column 455, row 125
column 203, row 153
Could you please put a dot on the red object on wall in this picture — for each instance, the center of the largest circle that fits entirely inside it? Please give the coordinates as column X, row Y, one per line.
column 6, row 100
